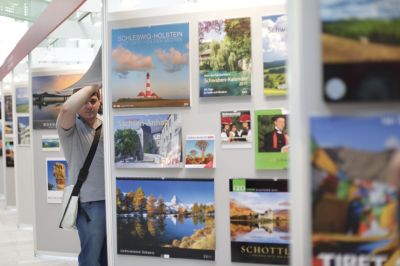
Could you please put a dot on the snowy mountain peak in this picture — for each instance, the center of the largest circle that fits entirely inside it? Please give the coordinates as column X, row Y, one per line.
column 175, row 203
column 175, row 200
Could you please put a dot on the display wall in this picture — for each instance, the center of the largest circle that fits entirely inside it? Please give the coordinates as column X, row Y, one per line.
column 203, row 117
column 54, row 66
column 203, row 121
column 1, row 141
column 49, row 179
column 23, row 155
column 9, row 148
column 307, row 100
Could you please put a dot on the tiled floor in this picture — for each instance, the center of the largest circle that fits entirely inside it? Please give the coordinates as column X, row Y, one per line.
column 16, row 245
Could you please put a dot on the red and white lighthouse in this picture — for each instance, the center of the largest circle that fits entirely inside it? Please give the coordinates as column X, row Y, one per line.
column 148, row 91
column 147, row 94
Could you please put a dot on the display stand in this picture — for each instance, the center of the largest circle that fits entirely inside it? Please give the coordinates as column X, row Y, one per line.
column 48, row 238
column 306, row 99
column 79, row 41
column 8, row 164
column 23, row 155
column 203, row 117
column 2, row 181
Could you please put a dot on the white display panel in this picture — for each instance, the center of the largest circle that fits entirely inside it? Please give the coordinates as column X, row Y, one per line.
column 184, row 6
column 203, row 117
column 306, row 99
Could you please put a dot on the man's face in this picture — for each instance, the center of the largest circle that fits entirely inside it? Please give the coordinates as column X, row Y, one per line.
column 90, row 109
column 280, row 123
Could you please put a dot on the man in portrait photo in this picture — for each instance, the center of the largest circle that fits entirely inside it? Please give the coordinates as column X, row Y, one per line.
column 277, row 140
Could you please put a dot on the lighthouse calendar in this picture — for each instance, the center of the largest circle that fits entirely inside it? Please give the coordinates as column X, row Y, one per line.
column 150, row 66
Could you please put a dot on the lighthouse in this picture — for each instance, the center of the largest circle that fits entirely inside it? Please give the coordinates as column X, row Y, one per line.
column 147, row 94
column 148, row 91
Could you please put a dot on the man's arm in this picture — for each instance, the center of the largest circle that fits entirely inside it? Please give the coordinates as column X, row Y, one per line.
column 67, row 115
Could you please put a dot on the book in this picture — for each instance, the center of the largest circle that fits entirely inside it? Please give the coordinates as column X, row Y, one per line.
column 274, row 37
column 225, row 57
column 355, row 194
column 150, row 66
column 272, row 139
column 259, row 221
column 148, row 141
column 236, row 129
column 166, row 217
column 200, row 151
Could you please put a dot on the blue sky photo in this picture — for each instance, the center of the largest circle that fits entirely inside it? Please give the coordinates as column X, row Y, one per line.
column 51, row 178
column 23, row 122
column 363, row 133
column 262, row 201
column 274, row 36
column 134, row 122
column 53, row 82
column 21, row 96
column 191, row 145
column 188, row 191
column 332, row 10
column 51, row 141
column 163, row 51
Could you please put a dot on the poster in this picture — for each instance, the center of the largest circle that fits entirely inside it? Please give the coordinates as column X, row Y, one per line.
column 168, row 218
column 8, row 115
column 150, row 66
column 22, row 100
column 9, row 143
column 57, row 178
column 259, row 221
column 1, row 138
column 50, row 143
column 274, row 37
column 200, row 151
column 148, row 141
column 8, row 129
column 355, row 192
column 236, row 129
column 24, row 131
column 225, row 57
column 272, row 141
column 48, row 95
column 8, row 109
column 360, row 50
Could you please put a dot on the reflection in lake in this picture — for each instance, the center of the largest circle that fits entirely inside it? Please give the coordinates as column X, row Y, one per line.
column 46, row 111
column 159, row 230
column 271, row 232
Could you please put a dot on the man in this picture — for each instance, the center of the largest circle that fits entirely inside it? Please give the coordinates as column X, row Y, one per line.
column 76, row 126
column 245, row 132
column 277, row 140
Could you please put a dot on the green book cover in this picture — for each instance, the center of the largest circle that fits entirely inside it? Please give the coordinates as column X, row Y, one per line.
column 272, row 140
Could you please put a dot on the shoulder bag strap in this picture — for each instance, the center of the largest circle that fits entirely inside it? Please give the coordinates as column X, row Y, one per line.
column 83, row 173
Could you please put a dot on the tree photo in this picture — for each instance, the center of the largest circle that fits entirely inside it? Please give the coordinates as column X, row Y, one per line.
column 225, row 57
column 127, row 145
column 200, row 151
column 166, row 216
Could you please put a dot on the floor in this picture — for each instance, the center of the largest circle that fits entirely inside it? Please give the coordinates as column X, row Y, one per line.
column 16, row 245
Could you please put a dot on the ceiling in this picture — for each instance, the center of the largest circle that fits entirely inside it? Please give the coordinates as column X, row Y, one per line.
column 16, row 16
column 27, row 10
